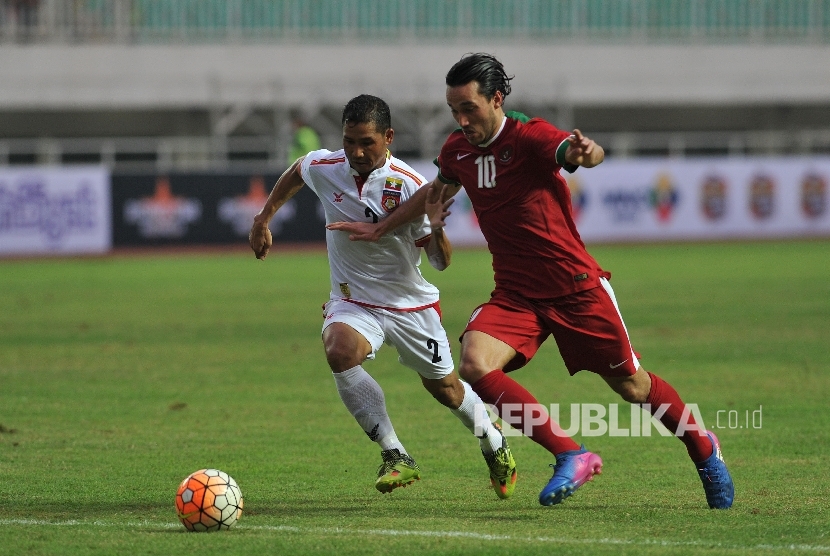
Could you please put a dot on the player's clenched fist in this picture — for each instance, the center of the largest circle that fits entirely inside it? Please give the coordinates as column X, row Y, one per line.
column 260, row 240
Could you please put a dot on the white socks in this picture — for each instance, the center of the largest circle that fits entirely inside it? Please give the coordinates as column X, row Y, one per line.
column 363, row 397
column 473, row 413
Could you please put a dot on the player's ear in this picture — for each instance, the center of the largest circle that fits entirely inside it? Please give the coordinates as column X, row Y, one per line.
column 498, row 100
column 389, row 136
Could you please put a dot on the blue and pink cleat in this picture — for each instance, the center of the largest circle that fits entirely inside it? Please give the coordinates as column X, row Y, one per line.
column 717, row 483
column 576, row 467
column 571, row 470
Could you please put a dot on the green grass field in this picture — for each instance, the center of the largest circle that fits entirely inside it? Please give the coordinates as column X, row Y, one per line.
column 121, row 375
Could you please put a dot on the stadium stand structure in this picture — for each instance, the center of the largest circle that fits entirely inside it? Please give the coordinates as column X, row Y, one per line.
column 199, row 84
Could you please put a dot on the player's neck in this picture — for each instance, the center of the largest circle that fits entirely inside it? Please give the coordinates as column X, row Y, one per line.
column 365, row 175
column 500, row 121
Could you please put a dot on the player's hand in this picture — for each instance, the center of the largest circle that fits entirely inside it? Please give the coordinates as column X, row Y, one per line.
column 358, row 231
column 260, row 239
column 437, row 209
column 583, row 151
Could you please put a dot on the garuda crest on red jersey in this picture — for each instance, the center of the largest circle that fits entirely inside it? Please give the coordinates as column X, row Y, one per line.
column 506, row 154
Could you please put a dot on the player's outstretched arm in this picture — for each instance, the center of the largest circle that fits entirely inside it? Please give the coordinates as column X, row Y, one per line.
column 439, row 249
column 409, row 210
column 583, row 151
column 286, row 187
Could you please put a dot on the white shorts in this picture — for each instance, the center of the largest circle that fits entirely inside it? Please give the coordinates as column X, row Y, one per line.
column 418, row 336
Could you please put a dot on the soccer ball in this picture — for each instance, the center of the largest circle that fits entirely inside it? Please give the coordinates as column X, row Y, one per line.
column 208, row 500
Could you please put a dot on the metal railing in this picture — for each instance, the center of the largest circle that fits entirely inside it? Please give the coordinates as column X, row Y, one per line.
column 262, row 153
column 639, row 21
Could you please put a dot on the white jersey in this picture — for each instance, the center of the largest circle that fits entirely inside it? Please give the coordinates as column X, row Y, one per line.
column 384, row 273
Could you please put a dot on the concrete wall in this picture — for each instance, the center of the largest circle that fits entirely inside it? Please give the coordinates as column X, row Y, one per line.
column 95, row 77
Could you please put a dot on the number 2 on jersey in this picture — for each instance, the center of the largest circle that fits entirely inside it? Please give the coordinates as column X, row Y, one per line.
column 486, row 171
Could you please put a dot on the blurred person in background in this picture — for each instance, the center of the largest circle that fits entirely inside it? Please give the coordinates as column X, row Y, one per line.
column 304, row 138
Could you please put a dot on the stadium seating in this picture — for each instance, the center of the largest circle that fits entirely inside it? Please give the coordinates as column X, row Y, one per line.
column 200, row 83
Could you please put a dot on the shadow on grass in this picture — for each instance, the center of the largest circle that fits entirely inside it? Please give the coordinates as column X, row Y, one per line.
column 504, row 511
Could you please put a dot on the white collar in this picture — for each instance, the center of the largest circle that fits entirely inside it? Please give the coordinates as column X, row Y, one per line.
column 494, row 137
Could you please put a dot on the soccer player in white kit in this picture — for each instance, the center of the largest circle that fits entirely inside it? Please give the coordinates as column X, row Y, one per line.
column 378, row 294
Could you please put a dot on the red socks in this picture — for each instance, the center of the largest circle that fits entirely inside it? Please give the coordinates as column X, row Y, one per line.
column 511, row 400
column 497, row 389
column 698, row 445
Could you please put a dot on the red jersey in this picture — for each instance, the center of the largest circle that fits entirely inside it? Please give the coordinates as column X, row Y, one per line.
column 523, row 206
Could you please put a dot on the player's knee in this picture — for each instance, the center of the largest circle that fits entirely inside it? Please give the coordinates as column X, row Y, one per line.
column 632, row 392
column 472, row 370
column 340, row 358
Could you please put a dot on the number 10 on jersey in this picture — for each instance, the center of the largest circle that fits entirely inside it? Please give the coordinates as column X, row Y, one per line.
column 486, row 171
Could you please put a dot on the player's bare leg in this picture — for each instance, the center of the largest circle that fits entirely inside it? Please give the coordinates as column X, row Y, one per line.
column 448, row 391
column 634, row 388
column 481, row 354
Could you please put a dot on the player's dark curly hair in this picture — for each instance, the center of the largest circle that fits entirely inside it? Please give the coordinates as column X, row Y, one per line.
column 365, row 109
column 482, row 68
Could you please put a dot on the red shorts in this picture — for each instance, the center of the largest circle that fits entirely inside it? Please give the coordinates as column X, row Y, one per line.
column 586, row 325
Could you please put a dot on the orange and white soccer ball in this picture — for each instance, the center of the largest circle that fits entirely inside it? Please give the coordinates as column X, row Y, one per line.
column 208, row 500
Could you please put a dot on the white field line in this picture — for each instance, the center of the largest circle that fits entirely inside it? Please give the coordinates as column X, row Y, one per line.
column 432, row 534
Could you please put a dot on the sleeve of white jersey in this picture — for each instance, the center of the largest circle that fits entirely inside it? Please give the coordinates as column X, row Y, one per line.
column 307, row 174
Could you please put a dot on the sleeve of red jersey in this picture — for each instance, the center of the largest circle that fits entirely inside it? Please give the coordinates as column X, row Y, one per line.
column 445, row 174
column 423, row 241
column 549, row 142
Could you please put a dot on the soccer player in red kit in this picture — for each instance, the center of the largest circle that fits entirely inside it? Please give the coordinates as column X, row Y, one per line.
column 546, row 281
